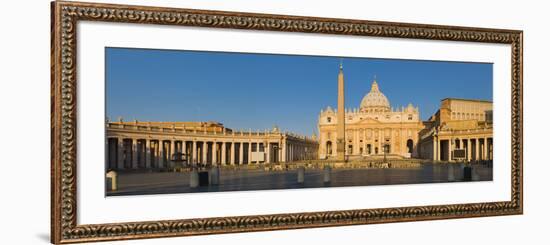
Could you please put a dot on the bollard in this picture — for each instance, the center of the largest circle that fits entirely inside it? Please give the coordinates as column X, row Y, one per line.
column 451, row 173
column 111, row 180
column 194, row 178
column 467, row 173
column 215, row 176
column 301, row 172
column 326, row 174
column 204, row 178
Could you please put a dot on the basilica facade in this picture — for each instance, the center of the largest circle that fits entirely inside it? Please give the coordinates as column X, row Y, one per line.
column 372, row 129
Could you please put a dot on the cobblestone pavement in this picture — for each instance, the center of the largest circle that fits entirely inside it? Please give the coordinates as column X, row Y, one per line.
column 241, row 180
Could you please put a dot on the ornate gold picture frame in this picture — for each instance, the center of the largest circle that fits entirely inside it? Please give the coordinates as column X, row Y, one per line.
column 64, row 108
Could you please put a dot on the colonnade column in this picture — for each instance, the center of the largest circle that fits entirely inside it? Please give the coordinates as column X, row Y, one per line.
column 249, row 152
column 232, row 153
column 287, row 152
column 204, row 152
column 172, row 148
column 258, row 150
column 434, row 150
column 194, row 152
column 292, row 151
column 469, row 157
column 184, row 148
column 477, row 149
column 290, row 156
column 241, row 151
column 282, row 149
column 486, row 150
column 268, row 149
column 120, row 153
column 172, row 151
column 214, row 152
column 224, row 155
column 133, row 153
column 147, row 153
column 297, row 152
column 482, row 149
column 107, row 154
column 438, row 149
column 449, row 147
column 161, row 153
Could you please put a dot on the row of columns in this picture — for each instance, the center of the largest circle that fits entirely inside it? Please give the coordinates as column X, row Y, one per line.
column 297, row 152
column 476, row 148
column 124, row 153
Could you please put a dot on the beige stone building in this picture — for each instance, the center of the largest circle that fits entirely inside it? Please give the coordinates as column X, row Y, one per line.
column 371, row 129
column 150, row 145
column 461, row 130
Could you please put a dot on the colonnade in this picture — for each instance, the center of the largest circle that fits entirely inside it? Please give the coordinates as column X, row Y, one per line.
column 137, row 153
column 125, row 153
column 297, row 151
column 476, row 148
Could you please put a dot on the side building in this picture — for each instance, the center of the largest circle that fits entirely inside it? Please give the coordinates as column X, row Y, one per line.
column 461, row 130
column 151, row 145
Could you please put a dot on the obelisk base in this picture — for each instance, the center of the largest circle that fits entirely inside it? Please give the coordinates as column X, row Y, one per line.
column 340, row 150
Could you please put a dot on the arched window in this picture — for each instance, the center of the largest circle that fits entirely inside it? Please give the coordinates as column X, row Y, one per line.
column 329, row 148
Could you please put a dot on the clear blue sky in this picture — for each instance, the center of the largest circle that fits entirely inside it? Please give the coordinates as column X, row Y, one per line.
column 258, row 91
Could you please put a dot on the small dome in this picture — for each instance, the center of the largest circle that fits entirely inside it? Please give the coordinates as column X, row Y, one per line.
column 375, row 99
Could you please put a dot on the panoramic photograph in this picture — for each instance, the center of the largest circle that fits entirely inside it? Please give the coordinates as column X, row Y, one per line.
column 181, row 121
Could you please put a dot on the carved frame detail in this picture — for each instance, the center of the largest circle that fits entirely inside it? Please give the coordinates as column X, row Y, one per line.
column 65, row 15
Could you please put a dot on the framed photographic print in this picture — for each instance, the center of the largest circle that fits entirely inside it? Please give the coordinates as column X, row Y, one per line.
column 175, row 122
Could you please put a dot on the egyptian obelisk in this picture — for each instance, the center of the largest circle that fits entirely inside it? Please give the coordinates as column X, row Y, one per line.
column 341, row 127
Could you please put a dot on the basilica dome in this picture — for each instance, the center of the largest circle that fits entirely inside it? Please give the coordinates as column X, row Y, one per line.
column 375, row 101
